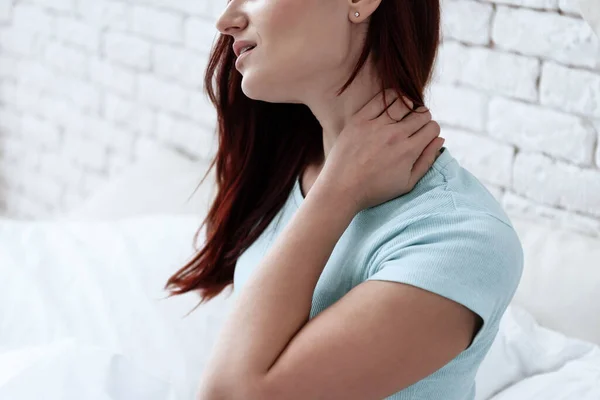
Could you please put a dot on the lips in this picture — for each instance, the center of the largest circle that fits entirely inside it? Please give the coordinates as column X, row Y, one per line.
column 242, row 57
column 240, row 45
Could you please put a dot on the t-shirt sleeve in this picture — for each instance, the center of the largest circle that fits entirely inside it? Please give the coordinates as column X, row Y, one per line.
column 473, row 259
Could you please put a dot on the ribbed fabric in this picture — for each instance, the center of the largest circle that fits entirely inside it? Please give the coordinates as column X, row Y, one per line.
column 449, row 235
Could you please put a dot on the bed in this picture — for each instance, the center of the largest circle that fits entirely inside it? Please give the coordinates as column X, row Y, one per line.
column 83, row 314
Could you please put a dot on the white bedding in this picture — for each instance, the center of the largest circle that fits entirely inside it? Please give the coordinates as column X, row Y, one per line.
column 81, row 315
column 81, row 318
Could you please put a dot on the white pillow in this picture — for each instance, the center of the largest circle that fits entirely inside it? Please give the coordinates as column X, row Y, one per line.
column 161, row 181
column 523, row 349
column 560, row 285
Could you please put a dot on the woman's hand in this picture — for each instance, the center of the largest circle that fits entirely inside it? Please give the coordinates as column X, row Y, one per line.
column 382, row 155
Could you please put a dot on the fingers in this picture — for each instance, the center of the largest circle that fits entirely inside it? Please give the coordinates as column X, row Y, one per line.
column 377, row 105
column 397, row 111
column 425, row 161
column 424, row 136
column 415, row 120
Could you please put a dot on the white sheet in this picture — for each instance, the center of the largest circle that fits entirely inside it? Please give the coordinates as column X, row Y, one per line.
column 81, row 318
column 81, row 315
column 530, row 362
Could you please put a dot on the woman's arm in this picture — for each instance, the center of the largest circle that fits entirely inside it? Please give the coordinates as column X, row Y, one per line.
column 379, row 338
column 275, row 302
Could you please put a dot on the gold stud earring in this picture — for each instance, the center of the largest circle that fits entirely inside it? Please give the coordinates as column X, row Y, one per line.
column 357, row 14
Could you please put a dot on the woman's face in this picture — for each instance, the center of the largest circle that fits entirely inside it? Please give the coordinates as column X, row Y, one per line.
column 301, row 46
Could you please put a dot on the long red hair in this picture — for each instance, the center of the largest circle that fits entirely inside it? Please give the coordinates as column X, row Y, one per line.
column 264, row 146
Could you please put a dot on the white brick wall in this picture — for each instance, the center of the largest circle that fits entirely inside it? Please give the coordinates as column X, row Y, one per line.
column 85, row 83
column 518, row 99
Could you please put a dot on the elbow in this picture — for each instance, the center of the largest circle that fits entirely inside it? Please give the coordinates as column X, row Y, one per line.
column 216, row 386
column 232, row 392
column 211, row 391
column 211, row 395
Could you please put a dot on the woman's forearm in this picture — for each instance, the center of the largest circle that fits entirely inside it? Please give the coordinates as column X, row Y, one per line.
column 275, row 302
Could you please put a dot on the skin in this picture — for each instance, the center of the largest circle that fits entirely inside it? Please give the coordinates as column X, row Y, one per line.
column 381, row 336
column 305, row 52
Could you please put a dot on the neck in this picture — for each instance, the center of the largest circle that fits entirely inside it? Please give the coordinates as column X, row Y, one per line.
column 334, row 112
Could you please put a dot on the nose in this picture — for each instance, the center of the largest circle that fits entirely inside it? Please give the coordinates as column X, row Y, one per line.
column 231, row 20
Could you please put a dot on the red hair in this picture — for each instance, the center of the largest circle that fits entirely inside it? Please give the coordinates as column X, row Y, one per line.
column 264, row 146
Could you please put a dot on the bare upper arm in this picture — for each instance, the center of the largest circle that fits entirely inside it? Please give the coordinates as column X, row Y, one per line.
column 378, row 339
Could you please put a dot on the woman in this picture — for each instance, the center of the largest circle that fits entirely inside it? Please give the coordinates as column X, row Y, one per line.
column 366, row 262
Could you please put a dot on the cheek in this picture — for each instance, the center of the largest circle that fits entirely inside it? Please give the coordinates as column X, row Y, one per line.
column 298, row 40
column 299, row 27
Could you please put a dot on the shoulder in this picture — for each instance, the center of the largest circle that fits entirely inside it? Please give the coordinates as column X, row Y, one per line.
column 472, row 258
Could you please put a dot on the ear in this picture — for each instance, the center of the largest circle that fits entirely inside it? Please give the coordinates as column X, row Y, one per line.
column 364, row 7
column 590, row 10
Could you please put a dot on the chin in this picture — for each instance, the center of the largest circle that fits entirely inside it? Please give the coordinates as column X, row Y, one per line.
column 252, row 92
column 269, row 92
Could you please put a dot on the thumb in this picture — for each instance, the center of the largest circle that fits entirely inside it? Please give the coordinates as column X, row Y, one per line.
column 425, row 161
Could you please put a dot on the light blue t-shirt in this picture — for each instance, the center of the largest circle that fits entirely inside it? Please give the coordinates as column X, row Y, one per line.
column 449, row 235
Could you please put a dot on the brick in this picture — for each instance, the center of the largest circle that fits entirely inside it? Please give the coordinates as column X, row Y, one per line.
column 127, row 50
column 185, row 136
column 128, row 114
column 158, row 24
column 42, row 189
column 71, row 199
column 193, row 7
column 112, row 76
column 179, row 64
column 85, row 152
column 492, row 162
column 5, row 11
column 454, row 15
column 15, row 150
column 163, row 95
column 105, row 14
column 557, row 184
column 109, row 136
column 67, row 60
column 597, row 126
column 571, row 90
column 56, row 109
column 200, row 34
column 39, row 132
column 556, row 37
column 33, row 73
column 457, row 106
column 520, row 206
column 215, row 8
column 534, row 128
column 11, row 177
column 82, row 95
column 60, row 168
column 91, row 181
column 26, row 99
column 34, row 19
column 536, row 4
column 202, row 110
column 8, row 92
column 117, row 162
column 570, row 6
column 497, row 72
column 22, row 42
column 10, row 121
column 66, row 6
column 77, row 33
column 9, row 66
